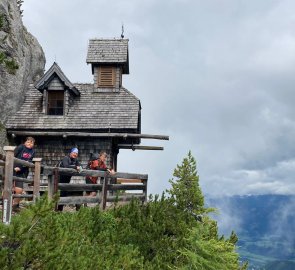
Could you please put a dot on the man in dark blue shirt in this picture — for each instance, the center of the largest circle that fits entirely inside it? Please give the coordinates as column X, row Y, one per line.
column 69, row 161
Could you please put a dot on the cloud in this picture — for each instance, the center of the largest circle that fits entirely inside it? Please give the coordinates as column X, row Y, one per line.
column 282, row 226
column 227, row 216
column 277, row 179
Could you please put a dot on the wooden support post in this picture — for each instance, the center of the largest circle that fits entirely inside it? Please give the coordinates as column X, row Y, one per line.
column 56, row 179
column 37, row 173
column 55, row 185
column 8, row 184
column 103, row 198
column 145, row 181
column 50, row 189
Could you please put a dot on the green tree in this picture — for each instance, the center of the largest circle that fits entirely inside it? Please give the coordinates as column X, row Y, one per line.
column 204, row 249
column 185, row 190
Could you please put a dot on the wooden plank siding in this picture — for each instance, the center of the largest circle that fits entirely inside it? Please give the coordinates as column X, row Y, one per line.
column 53, row 149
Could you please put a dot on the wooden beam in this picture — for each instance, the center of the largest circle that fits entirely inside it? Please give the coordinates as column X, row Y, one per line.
column 96, row 187
column 96, row 173
column 90, row 199
column 69, row 171
column 80, row 187
column 22, row 195
column 78, row 200
column 125, row 198
column 125, row 181
column 89, row 134
column 23, row 162
column 24, row 180
column 126, row 187
column 129, row 175
column 139, row 147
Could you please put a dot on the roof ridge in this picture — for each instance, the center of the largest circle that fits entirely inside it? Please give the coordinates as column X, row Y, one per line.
column 102, row 39
column 123, row 88
column 60, row 74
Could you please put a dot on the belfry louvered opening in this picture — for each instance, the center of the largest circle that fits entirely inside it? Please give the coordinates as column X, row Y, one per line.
column 106, row 77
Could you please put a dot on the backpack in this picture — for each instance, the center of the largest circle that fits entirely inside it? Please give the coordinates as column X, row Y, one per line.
column 92, row 157
column 59, row 164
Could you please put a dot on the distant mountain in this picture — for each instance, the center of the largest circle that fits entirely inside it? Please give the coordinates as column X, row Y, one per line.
column 279, row 265
column 265, row 227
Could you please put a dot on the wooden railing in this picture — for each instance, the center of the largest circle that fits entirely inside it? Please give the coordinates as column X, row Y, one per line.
column 107, row 188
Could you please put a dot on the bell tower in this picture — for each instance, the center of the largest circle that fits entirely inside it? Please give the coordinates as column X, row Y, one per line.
column 109, row 61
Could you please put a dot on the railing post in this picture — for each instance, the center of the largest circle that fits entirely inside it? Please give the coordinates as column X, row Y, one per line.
column 56, row 179
column 104, row 191
column 145, row 181
column 37, row 173
column 8, row 184
column 50, row 190
column 55, row 184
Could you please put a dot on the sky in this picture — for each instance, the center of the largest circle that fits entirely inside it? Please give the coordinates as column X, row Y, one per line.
column 216, row 76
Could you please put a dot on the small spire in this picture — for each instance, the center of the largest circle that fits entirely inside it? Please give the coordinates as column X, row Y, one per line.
column 122, row 35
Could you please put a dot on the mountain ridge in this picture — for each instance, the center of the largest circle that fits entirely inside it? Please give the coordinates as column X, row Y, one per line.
column 263, row 223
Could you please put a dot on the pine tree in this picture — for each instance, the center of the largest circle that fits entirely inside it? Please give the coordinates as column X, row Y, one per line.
column 204, row 248
column 185, row 191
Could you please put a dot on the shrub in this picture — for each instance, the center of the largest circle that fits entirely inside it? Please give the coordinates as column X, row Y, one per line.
column 156, row 235
column 11, row 66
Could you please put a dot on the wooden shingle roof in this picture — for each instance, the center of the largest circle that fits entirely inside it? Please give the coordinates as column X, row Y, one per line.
column 91, row 111
column 108, row 51
column 55, row 70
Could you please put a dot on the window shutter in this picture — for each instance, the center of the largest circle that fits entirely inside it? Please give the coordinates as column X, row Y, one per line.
column 106, row 77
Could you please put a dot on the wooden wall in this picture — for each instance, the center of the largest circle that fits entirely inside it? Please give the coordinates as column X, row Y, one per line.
column 53, row 149
column 56, row 84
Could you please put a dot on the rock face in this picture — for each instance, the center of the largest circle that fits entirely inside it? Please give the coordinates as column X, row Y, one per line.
column 22, row 61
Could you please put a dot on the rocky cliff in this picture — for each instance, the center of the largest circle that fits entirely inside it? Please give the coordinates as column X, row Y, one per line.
column 22, row 61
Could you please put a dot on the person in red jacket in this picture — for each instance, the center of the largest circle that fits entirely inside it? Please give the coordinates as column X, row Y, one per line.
column 98, row 163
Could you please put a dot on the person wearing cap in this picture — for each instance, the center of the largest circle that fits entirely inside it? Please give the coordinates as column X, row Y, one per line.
column 69, row 161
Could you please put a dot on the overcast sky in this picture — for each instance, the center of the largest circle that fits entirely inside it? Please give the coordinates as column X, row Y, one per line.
column 217, row 76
